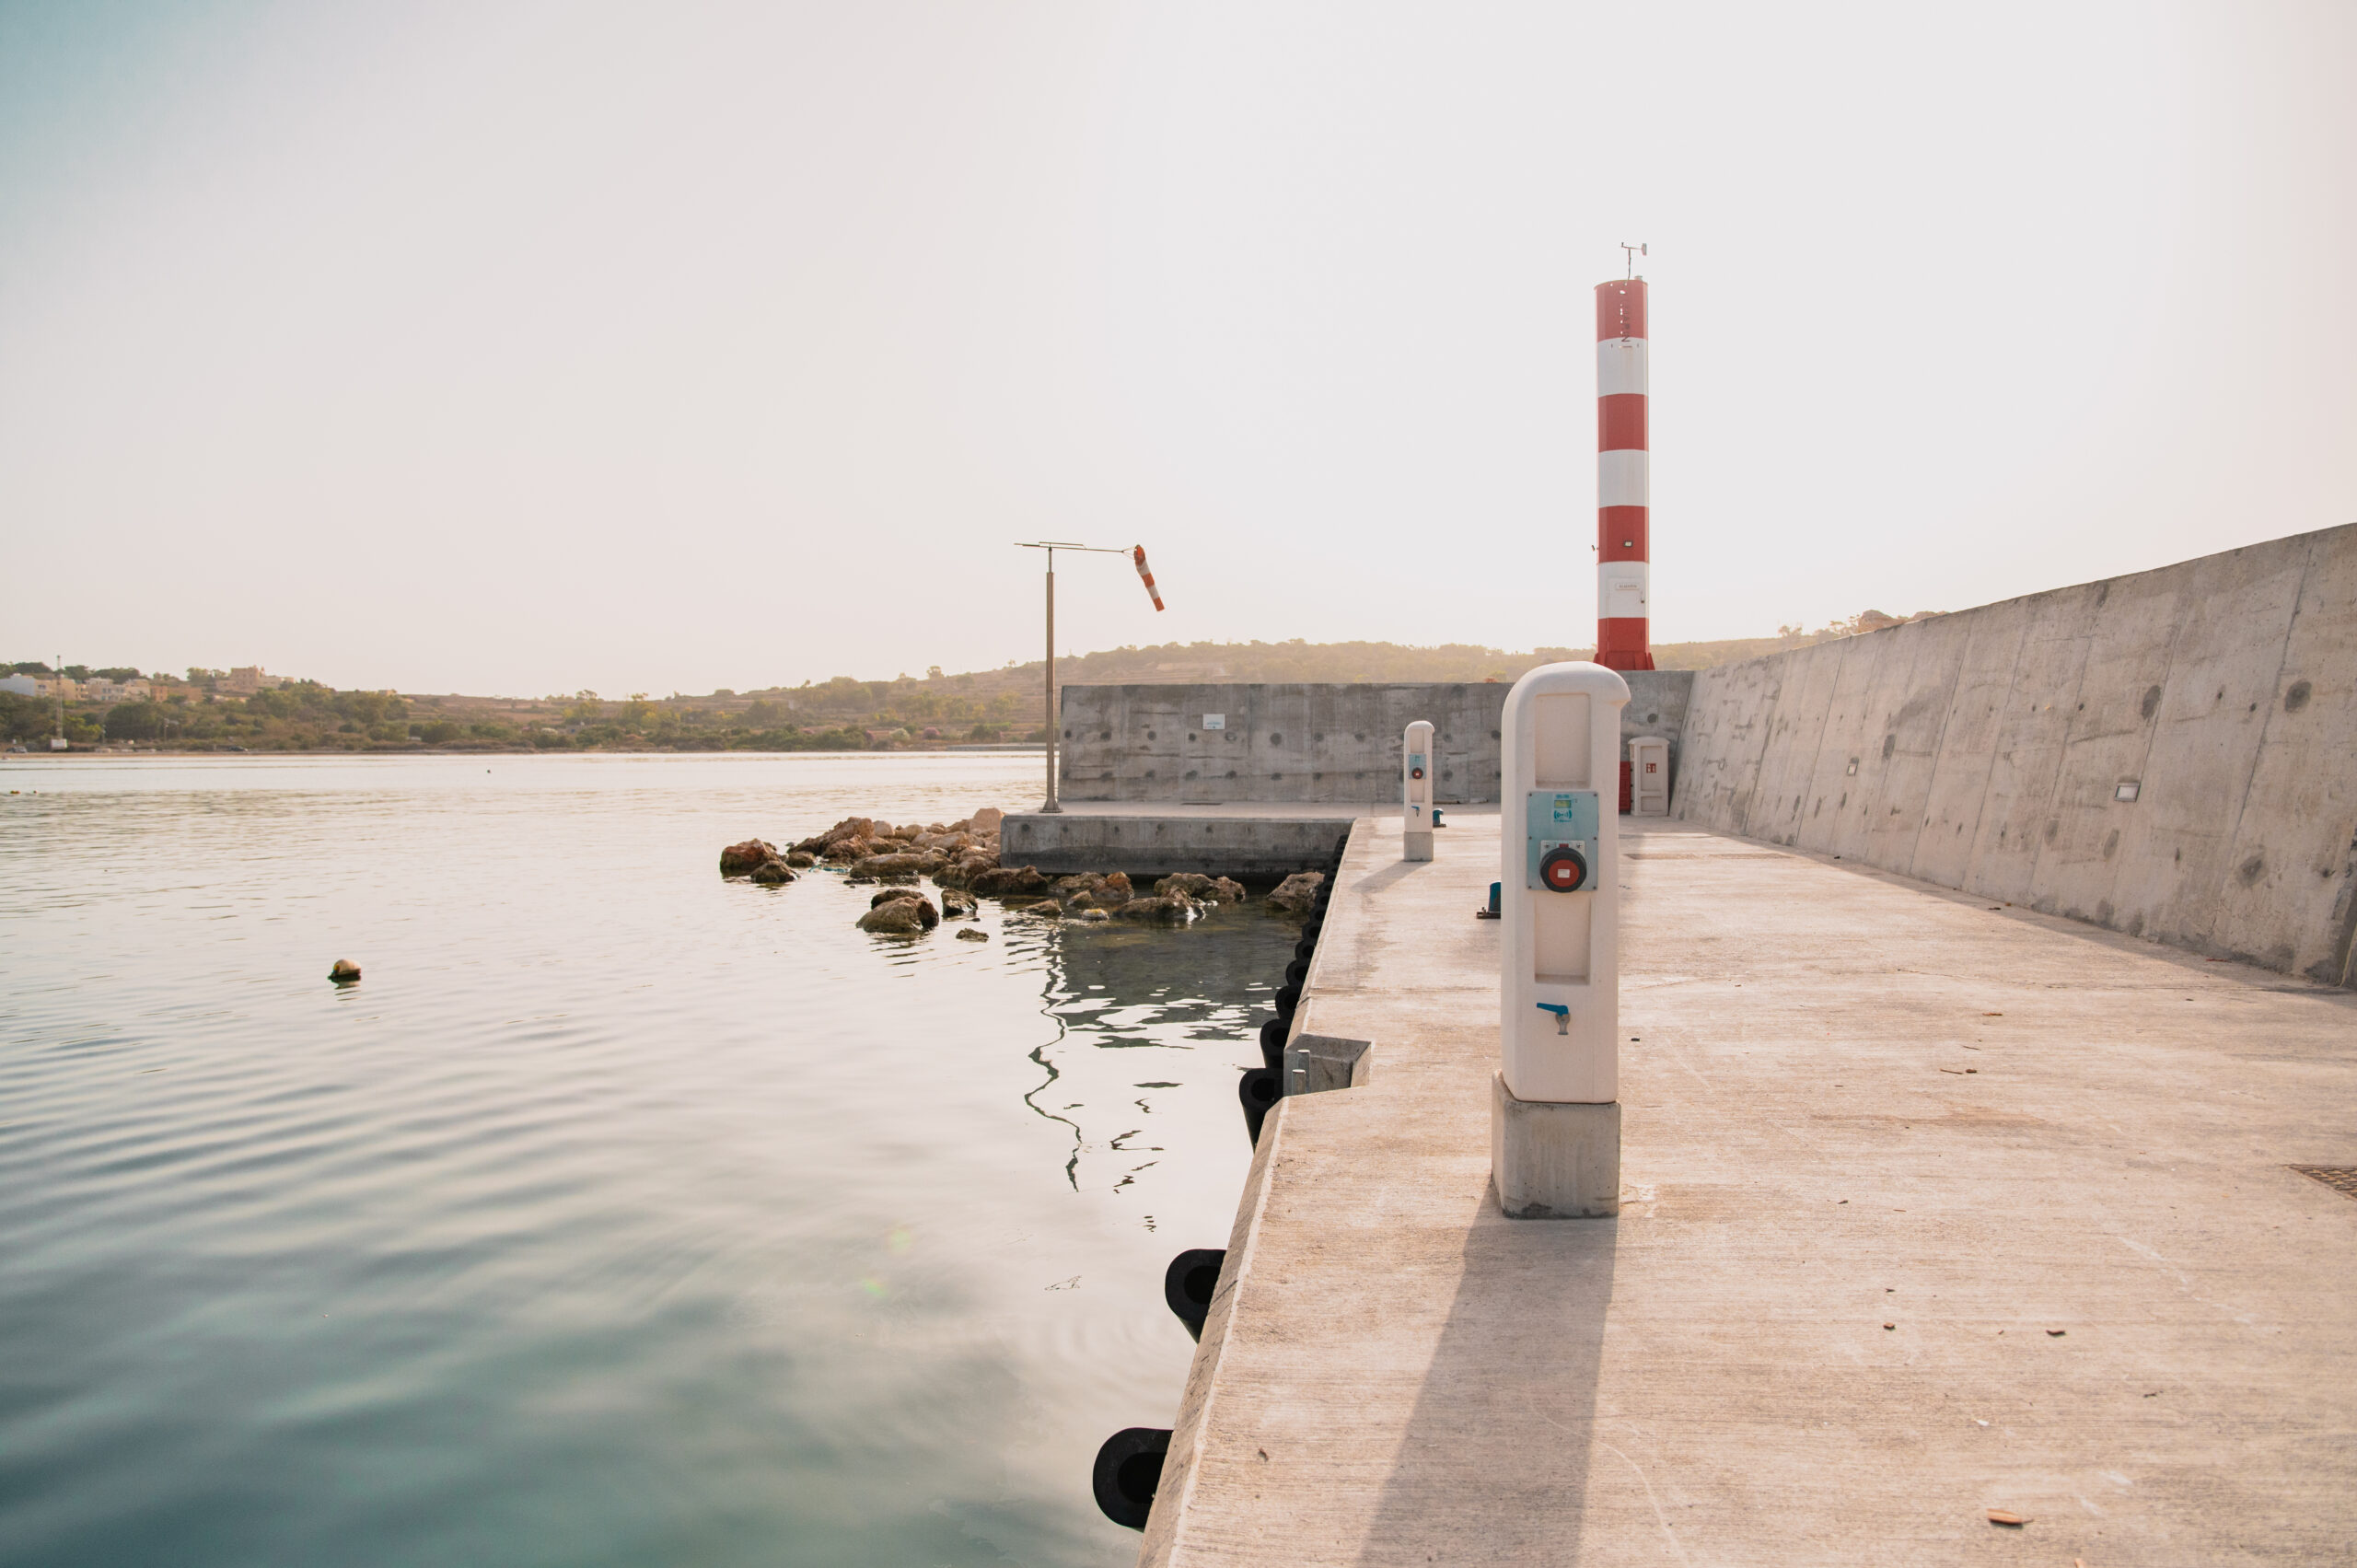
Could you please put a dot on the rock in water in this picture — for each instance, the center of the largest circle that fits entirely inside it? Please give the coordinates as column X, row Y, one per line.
column 925, row 912
column 986, row 820
column 1202, row 889
column 1001, row 881
column 800, row 859
column 849, row 828
column 1172, row 909
column 956, row 902
column 970, row 935
column 1297, row 893
column 900, row 912
column 773, row 874
column 738, row 859
column 343, row 971
column 882, row 865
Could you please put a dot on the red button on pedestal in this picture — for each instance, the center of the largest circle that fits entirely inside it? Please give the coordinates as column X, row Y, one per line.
column 1563, row 869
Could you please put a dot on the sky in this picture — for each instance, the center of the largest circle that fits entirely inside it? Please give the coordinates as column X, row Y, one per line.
column 525, row 348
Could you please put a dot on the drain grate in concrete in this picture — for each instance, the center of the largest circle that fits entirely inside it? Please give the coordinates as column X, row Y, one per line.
column 2341, row 1178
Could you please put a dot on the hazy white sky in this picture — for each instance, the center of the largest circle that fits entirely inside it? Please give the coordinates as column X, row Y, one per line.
column 528, row 348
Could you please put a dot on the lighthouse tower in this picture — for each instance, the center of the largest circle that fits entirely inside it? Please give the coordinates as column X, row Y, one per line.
column 1623, row 639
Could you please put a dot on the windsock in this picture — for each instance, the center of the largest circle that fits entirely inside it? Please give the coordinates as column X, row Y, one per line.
column 1137, row 552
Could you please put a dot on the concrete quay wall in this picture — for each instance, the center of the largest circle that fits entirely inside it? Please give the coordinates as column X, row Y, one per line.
column 1990, row 751
column 1305, row 741
column 1156, row 846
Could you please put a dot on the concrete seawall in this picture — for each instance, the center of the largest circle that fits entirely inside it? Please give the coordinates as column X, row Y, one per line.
column 1221, row 845
column 1305, row 741
column 2172, row 755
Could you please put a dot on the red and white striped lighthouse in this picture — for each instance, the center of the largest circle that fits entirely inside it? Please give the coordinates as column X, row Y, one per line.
column 1623, row 639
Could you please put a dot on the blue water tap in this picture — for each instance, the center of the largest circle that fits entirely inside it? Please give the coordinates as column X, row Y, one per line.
column 1562, row 1015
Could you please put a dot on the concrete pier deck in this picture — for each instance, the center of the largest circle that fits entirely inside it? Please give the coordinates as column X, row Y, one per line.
column 1929, row 1208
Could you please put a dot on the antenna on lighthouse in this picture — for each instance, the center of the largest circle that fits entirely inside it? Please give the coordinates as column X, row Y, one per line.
column 1633, row 251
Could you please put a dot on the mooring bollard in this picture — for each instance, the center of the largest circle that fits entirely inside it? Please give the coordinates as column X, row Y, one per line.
column 1555, row 1117
column 1416, row 791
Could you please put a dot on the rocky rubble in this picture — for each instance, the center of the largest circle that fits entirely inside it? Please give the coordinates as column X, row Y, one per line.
column 900, row 912
column 1298, row 894
column 962, row 858
column 755, row 858
column 1202, row 889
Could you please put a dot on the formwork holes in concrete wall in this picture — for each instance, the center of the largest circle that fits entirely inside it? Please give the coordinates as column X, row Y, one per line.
column 2296, row 698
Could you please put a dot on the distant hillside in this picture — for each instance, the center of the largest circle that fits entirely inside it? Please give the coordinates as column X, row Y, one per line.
column 1175, row 663
column 980, row 706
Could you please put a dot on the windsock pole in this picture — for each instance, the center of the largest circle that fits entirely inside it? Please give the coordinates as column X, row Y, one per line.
column 1137, row 554
column 1624, row 487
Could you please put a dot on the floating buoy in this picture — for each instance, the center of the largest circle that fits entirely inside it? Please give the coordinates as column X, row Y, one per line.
column 343, row 971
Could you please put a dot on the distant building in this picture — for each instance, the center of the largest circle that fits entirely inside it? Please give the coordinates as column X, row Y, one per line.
column 22, row 685
column 246, row 680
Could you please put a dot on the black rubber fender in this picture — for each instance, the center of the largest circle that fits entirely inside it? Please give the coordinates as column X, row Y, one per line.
column 1273, row 1033
column 1128, row 1471
column 1260, row 1089
column 1297, row 971
column 1288, row 998
column 1187, row 1285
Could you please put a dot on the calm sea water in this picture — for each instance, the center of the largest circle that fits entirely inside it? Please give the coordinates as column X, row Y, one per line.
column 619, row 1215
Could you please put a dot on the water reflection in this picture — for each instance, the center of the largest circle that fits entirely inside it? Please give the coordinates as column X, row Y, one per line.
column 1140, row 1014
column 618, row 1215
